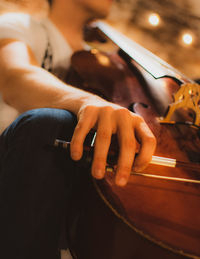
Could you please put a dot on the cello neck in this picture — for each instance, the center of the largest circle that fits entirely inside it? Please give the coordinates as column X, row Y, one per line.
column 155, row 66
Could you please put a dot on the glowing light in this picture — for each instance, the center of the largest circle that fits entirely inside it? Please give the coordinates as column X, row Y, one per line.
column 103, row 60
column 187, row 38
column 154, row 19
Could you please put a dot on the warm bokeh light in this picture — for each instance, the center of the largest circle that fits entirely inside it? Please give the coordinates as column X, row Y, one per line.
column 187, row 38
column 154, row 19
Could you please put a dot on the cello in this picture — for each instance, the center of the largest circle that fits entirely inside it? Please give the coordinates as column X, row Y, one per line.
column 157, row 214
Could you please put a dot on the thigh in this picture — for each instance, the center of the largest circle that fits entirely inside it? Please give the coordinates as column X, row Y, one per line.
column 41, row 124
column 36, row 182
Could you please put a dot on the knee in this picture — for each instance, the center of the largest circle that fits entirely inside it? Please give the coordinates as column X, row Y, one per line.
column 43, row 124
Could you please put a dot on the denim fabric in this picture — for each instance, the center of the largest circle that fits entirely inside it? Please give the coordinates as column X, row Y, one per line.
column 36, row 184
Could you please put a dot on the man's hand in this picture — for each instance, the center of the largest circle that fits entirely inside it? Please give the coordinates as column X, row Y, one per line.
column 108, row 118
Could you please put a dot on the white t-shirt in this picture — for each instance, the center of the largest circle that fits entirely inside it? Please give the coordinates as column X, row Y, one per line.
column 37, row 35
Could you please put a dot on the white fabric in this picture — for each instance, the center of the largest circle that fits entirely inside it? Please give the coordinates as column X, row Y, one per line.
column 36, row 34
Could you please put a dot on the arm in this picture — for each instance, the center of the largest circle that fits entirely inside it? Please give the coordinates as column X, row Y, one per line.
column 24, row 85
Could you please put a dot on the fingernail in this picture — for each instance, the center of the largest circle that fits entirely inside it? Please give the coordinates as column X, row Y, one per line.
column 122, row 181
column 75, row 155
column 98, row 173
column 138, row 168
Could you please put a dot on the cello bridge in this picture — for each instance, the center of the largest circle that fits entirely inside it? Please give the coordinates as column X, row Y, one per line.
column 188, row 96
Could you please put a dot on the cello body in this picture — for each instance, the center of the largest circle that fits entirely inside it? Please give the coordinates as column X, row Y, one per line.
column 149, row 218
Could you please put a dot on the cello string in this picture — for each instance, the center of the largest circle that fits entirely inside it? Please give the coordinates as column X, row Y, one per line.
column 176, row 179
column 160, row 177
column 168, row 178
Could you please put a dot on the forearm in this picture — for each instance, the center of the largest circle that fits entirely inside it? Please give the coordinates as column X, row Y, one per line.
column 33, row 87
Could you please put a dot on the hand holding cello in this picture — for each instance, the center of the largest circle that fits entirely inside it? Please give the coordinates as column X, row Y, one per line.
column 108, row 119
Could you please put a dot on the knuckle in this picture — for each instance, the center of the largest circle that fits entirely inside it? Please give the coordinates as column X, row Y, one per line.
column 88, row 109
column 75, row 144
column 152, row 140
column 107, row 108
column 103, row 135
column 138, row 119
column 99, row 160
column 123, row 112
column 129, row 143
column 123, row 169
column 80, row 126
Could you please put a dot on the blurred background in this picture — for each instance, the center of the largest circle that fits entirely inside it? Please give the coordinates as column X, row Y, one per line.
column 168, row 28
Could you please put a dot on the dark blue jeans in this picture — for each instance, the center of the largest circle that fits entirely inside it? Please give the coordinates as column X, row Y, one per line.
column 37, row 182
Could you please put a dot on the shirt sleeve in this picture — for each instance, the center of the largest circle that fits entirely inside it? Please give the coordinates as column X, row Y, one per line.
column 23, row 27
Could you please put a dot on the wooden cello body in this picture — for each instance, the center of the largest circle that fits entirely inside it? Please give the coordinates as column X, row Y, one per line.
column 150, row 217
